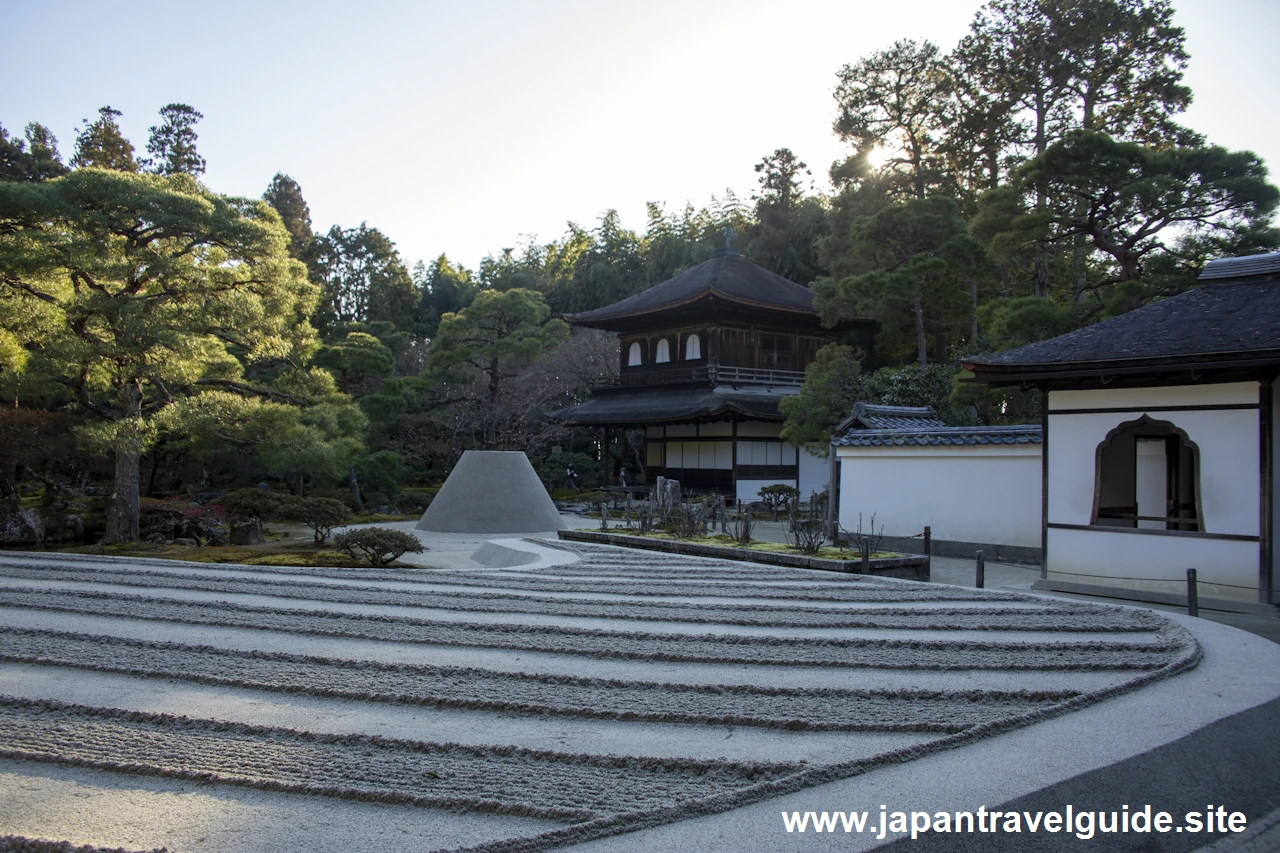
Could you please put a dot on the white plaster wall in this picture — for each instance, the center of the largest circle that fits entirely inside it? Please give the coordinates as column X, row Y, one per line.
column 1152, row 562
column 1228, row 442
column 969, row 494
column 1175, row 395
column 814, row 473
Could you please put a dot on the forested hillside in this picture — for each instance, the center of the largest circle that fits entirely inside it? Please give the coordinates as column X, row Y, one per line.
column 158, row 338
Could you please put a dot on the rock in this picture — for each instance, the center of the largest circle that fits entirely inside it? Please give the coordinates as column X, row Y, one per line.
column 265, row 486
column 203, row 498
column 74, row 525
column 190, row 543
column 95, row 491
column 247, row 534
column 20, row 526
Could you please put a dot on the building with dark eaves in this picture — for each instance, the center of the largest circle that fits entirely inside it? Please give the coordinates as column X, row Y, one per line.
column 1160, row 431
column 704, row 359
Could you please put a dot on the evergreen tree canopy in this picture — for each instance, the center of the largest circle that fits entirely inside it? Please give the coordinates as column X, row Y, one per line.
column 785, row 236
column 498, row 333
column 101, row 144
column 33, row 158
column 446, row 288
column 361, row 278
column 157, row 290
column 1131, row 202
column 832, row 384
column 285, row 196
column 895, row 100
column 172, row 144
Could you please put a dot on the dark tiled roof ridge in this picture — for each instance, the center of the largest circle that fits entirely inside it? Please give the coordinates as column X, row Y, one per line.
column 653, row 405
column 942, row 436
column 1216, row 322
column 878, row 416
column 956, row 429
column 900, row 411
column 729, row 276
column 1265, row 263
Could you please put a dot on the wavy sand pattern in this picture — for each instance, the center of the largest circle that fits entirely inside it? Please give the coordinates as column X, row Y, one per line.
column 702, row 616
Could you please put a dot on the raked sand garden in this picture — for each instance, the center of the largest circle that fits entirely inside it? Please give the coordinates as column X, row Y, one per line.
column 578, row 693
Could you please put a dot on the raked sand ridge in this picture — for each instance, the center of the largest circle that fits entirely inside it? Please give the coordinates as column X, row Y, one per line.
column 588, row 693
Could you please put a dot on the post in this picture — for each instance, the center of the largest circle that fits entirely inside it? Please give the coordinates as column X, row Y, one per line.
column 865, row 546
column 604, row 457
column 833, row 510
column 1193, row 594
column 928, row 549
column 981, row 580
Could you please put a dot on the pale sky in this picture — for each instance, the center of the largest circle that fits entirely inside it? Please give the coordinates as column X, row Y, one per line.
column 465, row 127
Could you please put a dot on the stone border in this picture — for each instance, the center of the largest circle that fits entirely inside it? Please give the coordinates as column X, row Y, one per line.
column 911, row 567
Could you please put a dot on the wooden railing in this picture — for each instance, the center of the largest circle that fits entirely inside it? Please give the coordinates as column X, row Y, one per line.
column 713, row 374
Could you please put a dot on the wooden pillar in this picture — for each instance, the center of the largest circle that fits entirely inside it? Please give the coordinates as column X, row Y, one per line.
column 1044, row 481
column 1266, row 494
column 604, row 456
column 733, row 471
column 833, row 491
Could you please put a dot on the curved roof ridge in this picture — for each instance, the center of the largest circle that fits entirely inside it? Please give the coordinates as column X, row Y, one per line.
column 727, row 275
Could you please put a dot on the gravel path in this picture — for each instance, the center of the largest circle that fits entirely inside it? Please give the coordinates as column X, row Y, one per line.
column 911, row 628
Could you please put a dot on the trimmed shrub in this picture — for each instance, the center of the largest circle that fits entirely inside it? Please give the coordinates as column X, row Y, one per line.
column 252, row 504
column 381, row 546
column 322, row 515
column 778, row 497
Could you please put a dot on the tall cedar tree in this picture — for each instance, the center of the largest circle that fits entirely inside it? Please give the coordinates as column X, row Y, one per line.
column 285, row 196
column 101, row 144
column 172, row 144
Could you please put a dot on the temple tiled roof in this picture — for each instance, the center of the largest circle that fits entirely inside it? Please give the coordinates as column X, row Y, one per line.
column 1247, row 266
column 868, row 416
column 727, row 276
column 939, row 437
column 1233, row 321
column 634, row 407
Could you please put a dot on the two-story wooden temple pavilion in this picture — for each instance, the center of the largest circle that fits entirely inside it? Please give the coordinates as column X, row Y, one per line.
column 704, row 359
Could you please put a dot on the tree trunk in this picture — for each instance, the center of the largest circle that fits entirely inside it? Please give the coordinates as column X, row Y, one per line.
column 124, row 506
column 973, row 296
column 491, row 426
column 922, row 344
column 1040, row 282
column 1079, row 272
column 636, row 454
column 356, row 503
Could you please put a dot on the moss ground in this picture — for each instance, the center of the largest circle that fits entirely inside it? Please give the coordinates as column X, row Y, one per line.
column 286, row 545
column 826, row 553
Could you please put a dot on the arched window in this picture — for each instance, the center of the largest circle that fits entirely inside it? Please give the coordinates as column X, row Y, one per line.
column 633, row 355
column 692, row 348
column 663, row 353
column 1148, row 478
